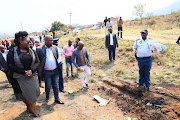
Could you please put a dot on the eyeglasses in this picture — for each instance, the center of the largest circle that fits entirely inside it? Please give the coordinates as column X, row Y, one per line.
column 28, row 42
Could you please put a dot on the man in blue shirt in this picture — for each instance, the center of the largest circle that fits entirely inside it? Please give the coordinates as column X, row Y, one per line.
column 60, row 54
column 143, row 52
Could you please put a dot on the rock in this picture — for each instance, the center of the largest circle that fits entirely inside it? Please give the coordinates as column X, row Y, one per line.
column 104, row 74
column 157, row 73
column 102, row 101
column 149, row 104
column 165, row 76
column 128, row 118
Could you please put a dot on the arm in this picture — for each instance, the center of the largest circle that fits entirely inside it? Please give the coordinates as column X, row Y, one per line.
column 11, row 64
column 73, row 59
column 87, row 55
column 64, row 51
column 106, row 41
column 36, row 65
column 59, row 54
column 116, row 40
column 135, row 47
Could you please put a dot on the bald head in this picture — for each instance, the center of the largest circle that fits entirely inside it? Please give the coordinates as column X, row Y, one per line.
column 48, row 41
column 48, row 37
column 81, row 45
column 2, row 48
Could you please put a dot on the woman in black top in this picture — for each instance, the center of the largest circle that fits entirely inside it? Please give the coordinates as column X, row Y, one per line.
column 24, row 62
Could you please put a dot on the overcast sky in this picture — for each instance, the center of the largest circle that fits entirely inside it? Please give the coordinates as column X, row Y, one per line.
column 35, row 15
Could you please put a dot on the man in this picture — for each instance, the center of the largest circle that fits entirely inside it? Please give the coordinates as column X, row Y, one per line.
column 49, row 68
column 3, row 62
column 67, row 51
column 83, row 63
column 178, row 40
column 143, row 52
column 111, row 43
column 119, row 24
column 60, row 54
column 37, row 42
column 76, row 44
column 109, row 24
column 105, row 21
column 54, row 33
column 12, row 44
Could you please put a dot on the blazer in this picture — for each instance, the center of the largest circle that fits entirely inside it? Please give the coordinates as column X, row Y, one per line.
column 41, row 51
column 76, row 55
column 3, row 63
column 107, row 41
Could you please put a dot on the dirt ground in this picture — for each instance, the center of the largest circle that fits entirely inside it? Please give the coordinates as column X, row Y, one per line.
column 126, row 102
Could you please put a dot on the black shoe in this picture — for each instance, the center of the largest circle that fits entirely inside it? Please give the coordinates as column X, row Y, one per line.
column 72, row 76
column 47, row 100
column 86, row 85
column 59, row 102
column 148, row 88
column 62, row 91
column 37, row 115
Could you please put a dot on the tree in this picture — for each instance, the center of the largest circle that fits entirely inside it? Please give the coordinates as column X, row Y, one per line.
column 139, row 10
column 56, row 26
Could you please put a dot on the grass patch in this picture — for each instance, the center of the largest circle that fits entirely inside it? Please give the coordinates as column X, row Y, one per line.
column 120, row 72
column 92, row 80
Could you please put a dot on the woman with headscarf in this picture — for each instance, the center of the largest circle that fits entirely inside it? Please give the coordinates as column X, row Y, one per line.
column 23, row 61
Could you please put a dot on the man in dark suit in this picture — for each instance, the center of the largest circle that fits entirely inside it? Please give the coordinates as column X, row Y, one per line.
column 3, row 62
column 49, row 68
column 111, row 43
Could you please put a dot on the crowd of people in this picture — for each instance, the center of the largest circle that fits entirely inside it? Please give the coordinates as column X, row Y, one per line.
column 27, row 64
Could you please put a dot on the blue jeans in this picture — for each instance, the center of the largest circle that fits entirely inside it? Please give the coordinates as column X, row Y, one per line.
column 61, row 82
column 144, row 70
column 52, row 78
column 68, row 64
column 111, row 50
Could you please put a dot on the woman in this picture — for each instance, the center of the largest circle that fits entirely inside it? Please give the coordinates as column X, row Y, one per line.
column 24, row 62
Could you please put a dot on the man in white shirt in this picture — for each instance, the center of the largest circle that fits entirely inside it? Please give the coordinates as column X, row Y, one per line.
column 111, row 43
column 109, row 24
column 3, row 61
column 49, row 67
column 143, row 53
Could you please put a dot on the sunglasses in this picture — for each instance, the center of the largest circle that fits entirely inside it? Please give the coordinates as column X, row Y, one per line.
column 28, row 42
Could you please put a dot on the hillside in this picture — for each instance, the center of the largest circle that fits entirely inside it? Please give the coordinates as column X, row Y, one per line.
column 115, row 81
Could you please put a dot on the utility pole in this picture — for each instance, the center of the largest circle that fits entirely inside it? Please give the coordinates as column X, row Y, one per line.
column 70, row 17
column 21, row 25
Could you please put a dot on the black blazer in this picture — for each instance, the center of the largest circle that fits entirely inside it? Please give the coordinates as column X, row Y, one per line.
column 3, row 63
column 41, row 51
column 107, row 41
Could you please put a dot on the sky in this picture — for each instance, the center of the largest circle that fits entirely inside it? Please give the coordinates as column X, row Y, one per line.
column 35, row 15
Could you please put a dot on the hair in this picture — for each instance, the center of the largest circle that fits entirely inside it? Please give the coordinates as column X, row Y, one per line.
column 20, row 36
column 78, row 38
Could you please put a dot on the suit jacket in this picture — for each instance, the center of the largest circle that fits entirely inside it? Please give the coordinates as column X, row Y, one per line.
column 76, row 55
column 3, row 63
column 107, row 42
column 41, row 51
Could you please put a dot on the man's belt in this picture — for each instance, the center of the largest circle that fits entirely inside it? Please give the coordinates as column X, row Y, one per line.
column 51, row 70
column 144, row 57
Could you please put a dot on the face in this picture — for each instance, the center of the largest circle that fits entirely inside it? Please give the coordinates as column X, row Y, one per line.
column 25, row 43
column 81, row 46
column 69, row 43
column 109, row 20
column 32, row 42
column 49, row 42
column 144, row 35
column 12, row 43
column 110, row 30
column 2, row 48
column 77, row 40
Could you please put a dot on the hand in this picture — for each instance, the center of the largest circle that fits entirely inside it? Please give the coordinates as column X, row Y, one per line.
column 135, row 51
column 3, row 69
column 78, row 68
column 28, row 73
column 90, row 65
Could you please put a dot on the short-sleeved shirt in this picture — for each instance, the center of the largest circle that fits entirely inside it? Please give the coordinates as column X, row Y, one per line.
column 142, row 46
